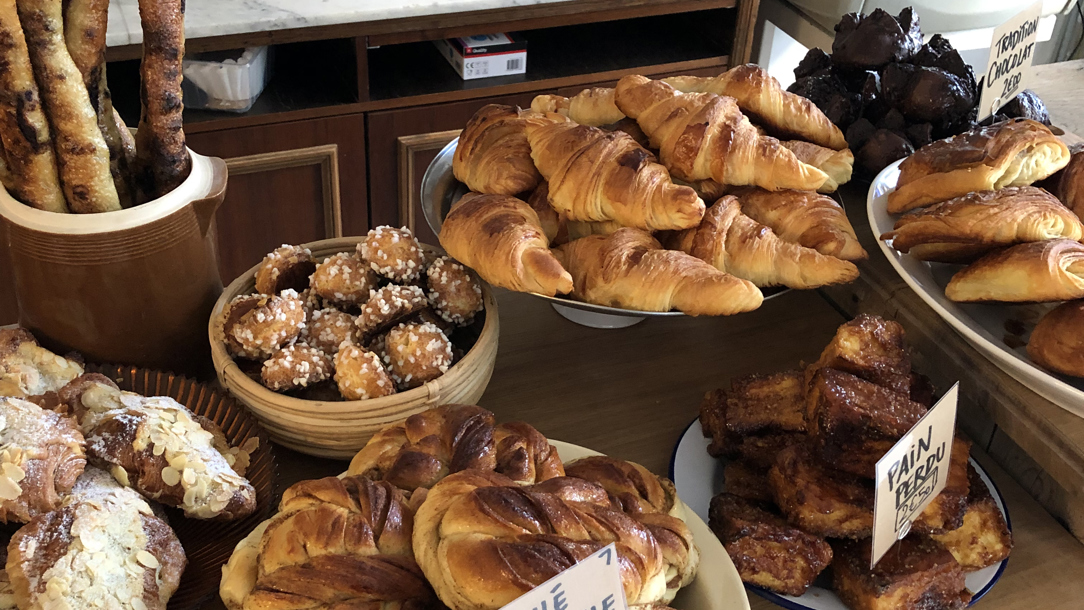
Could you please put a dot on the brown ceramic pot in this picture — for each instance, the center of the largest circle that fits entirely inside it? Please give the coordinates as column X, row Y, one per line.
column 134, row 286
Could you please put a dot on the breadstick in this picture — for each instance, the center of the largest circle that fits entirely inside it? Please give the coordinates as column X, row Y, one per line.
column 24, row 129
column 85, row 23
column 81, row 152
column 162, row 157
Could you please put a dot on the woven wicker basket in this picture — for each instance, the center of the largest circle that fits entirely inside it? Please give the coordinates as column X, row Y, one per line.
column 339, row 429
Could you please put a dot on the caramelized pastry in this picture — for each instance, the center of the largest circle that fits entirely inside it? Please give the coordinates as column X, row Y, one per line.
column 916, row 573
column 343, row 279
column 416, row 354
column 1057, row 343
column 393, row 253
column 758, row 416
column 389, row 306
column 273, row 323
column 42, row 456
column 747, row 481
column 964, row 228
column 288, row 267
column 1016, row 152
column 869, row 347
column 634, row 488
column 984, row 538
column 803, row 218
column 28, row 369
column 294, row 367
column 360, row 375
column 493, row 156
column 1037, row 272
column 328, row 329
column 453, row 291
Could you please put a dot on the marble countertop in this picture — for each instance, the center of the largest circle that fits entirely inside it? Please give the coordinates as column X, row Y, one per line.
column 207, row 18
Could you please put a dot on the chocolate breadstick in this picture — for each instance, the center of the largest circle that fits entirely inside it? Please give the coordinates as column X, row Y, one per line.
column 162, row 157
column 24, row 130
column 82, row 154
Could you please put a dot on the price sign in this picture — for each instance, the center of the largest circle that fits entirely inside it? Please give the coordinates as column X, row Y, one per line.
column 1009, row 69
column 592, row 584
column 912, row 473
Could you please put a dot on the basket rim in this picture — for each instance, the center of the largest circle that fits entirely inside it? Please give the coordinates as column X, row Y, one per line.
column 237, row 382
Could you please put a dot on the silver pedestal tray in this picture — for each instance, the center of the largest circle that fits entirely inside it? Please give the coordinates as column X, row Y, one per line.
column 440, row 190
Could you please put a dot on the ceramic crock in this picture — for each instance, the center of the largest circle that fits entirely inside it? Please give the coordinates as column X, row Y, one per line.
column 134, row 286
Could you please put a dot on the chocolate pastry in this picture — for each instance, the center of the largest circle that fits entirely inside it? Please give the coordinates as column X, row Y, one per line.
column 881, row 149
column 871, row 41
column 816, row 61
column 929, row 95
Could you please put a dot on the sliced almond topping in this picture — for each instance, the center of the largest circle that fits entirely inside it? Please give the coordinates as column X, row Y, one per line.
column 121, row 475
column 9, row 490
column 13, row 472
column 147, row 560
column 137, row 603
column 171, row 476
column 189, row 477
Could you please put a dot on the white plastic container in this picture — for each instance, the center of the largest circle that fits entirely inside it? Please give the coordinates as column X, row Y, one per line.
column 226, row 80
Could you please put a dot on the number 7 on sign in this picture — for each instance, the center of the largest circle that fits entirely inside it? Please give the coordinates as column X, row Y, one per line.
column 591, row 584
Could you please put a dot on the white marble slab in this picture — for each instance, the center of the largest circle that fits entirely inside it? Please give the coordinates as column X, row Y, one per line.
column 206, row 18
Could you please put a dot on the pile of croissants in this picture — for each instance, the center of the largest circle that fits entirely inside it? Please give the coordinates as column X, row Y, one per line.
column 1007, row 201
column 602, row 196
column 450, row 509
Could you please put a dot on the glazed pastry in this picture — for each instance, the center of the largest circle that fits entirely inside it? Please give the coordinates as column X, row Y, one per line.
column 634, row 488
column 416, row 354
column 453, row 291
column 343, row 280
column 157, row 447
column 703, row 135
column 105, row 549
column 28, row 369
column 761, row 97
column 803, row 218
column 482, row 541
column 288, row 267
column 502, row 240
column 493, row 156
column 360, row 375
column 388, row 307
column 738, row 245
column 593, row 106
column 837, row 164
column 630, row 269
column 42, row 455
column 916, row 573
column 595, row 175
column 868, row 347
column 1068, row 184
column 1011, row 153
column 966, row 227
column 984, row 538
column 335, row 543
column 428, row 446
column 553, row 225
column 1057, row 343
column 273, row 323
column 328, row 329
column 393, row 253
column 1036, row 272
column 294, row 367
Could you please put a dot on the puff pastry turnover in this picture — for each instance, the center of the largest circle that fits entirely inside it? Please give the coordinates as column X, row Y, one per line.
column 1057, row 343
column 1037, row 272
column 804, row 218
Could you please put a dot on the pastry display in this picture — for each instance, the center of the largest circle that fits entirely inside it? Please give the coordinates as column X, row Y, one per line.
column 808, row 219
column 493, row 156
column 1041, row 271
column 344, row 280
column 1057, row 342
column 801, row 449
column 416, row 353
column 455, row 296
column 28, row 369
column 393, row 253
column 270, row 322
column 296, row 366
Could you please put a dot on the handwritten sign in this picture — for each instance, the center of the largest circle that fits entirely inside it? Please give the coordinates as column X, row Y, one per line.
column 592, row 584
column 1008, row 70
column 912, row 473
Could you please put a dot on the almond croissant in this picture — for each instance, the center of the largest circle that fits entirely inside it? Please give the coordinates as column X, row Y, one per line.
column 595, row 175
column 804, row 218
column 492, row 155
column 739, row 245
column 502, row 239
column 703, row 135
column 629, row 269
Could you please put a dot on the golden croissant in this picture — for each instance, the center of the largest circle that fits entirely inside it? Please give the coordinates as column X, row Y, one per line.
column 595, row 175
column 804, row 218
column 703, row 135
column 629, row 269
column 1040, row 272
column 1016, row 152
column 739, row 245
column 594, row 106
column 760, row 96
column 493, row 156
column 963, row 228
column 501, row 238
column 837, row 164
column 1057, row 343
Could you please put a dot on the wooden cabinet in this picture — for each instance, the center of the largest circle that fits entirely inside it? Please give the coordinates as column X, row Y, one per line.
column 289, row 183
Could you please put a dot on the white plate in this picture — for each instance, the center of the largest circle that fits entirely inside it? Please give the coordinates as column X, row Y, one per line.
column 983, row 325
column 717, row 585
column 699, row 477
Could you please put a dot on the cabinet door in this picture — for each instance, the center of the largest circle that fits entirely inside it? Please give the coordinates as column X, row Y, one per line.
column 289, row 183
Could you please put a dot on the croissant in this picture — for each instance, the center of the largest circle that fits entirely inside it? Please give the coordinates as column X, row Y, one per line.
column 594, row 106
column 1057, row 343
column 760, row 96
column 42, row 457
column 629, row 269
column 1068, row 183
column 804, row 218
column 502, row 239
column 1016, row 152
column 963, row 228
column 428, row 446
column 837, row 164
column 741, row 246
column 554, row 227
column 483, row 541
column 492, row 156
column 595, row 175
column 1036, row 272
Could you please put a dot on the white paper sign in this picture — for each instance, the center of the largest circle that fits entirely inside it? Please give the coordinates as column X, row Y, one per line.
column 592, row 584
column 912, row 473
column 1012, row 50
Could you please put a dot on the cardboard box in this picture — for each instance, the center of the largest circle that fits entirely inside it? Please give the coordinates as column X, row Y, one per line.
column 486, row 55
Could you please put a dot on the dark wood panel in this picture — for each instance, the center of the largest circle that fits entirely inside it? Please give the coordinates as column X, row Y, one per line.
column 9, row 306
